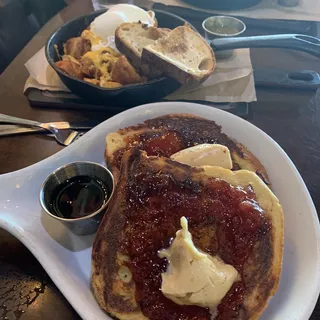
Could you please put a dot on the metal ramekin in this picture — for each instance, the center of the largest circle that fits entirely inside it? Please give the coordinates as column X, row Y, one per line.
column 210, row 33
column 87, row 224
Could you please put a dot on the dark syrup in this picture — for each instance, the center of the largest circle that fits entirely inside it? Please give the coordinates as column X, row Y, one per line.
column 79, row 197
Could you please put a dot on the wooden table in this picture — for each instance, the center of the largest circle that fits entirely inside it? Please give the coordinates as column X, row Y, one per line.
column 291, row 117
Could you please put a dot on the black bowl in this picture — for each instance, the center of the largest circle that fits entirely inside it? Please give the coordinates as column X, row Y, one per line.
column 125, row 96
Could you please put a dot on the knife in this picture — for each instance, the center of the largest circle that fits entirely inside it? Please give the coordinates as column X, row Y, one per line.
column 190, row 14
column 8, row 129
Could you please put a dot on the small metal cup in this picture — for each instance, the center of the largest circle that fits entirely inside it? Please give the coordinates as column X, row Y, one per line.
column 211, row 28
column 87, row 224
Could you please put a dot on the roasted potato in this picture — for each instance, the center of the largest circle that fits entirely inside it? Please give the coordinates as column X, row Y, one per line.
column 90, row 36
column 106, row 82
column 124, row 73
column 92, row 81
column 77, row 47
column 98, row 65
column 70, row 58
column 71, row 68
column 89, row 68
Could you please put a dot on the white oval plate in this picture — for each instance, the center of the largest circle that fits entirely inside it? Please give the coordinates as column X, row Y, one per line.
column 67, row 257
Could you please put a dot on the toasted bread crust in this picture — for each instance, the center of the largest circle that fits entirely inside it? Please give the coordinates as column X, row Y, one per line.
column 187, row 127
column 262, row 270
column 127, row 51
column 150, row 59
column 113, row 295
column 126, row 48
column 153, row 61
column 177, row 43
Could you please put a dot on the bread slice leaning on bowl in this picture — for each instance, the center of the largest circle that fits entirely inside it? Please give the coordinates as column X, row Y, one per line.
column 131, row 38
column 182, row 54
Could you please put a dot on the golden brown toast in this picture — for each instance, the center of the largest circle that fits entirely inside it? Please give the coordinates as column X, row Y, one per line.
column 150, row 197
column 182, row 55
column 130, row 40
column 166, row 135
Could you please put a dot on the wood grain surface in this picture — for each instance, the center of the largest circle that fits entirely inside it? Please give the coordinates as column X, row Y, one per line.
column 291, row 117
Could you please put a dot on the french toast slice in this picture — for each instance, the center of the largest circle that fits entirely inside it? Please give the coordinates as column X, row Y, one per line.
column 143, row 216
column 168, row 134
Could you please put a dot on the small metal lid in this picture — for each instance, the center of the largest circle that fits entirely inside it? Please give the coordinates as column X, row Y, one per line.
column 219, row 26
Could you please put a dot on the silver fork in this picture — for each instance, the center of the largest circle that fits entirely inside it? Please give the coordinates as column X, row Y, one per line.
column 63, row 134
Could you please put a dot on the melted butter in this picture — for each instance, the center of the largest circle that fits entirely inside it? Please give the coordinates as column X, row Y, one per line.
column 193, row 277
column 205, row 155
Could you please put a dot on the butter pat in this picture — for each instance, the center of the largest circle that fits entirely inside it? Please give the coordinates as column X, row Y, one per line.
column 193, row 277
column 205, row 155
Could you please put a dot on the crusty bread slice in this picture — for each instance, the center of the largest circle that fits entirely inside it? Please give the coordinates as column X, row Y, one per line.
column 189, row 129
column 183, row 55
column 113, row 282
column 131, row 38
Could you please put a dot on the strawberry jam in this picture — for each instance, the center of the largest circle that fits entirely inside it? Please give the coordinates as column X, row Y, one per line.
column 224, row 220
column 162, row 144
